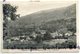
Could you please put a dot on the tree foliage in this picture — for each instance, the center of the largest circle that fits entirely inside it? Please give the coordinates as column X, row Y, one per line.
column 47, row 36
column 9, row 12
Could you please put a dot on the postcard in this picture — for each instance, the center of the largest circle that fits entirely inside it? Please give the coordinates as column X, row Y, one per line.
column 39, row 26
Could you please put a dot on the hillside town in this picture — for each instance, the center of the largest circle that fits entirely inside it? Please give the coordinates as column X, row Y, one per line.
column 41, row 36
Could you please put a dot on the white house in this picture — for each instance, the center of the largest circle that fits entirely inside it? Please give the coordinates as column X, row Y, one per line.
column 8, row 40
column 75, row 34
column 28, row 38
column 22, row 40
column 60, row 34
column 54, row 34
column 68, row 34
column 34, row 34
column 42, row 31
column 15, row 38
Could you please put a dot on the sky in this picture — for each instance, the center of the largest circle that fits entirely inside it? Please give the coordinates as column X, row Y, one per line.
column 26, row 7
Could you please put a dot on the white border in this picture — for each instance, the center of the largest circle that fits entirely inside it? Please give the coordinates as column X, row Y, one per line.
column 61, row 50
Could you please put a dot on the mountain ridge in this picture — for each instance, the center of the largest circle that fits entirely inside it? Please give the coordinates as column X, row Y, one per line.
column 48, row 15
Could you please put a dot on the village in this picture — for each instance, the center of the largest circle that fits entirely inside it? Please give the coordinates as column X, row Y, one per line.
column 42, row 37
column 40, row 33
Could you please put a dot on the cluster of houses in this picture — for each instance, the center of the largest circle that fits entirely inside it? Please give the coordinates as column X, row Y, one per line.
column 34, row 35
column 57, row 34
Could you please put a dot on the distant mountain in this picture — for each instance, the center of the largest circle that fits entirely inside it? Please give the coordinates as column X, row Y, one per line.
column 48, row 15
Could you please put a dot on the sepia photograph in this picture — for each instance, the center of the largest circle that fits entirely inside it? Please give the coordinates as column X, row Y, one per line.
column 35, row 25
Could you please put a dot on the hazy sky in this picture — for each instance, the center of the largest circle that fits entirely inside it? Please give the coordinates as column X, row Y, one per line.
column 27, row 7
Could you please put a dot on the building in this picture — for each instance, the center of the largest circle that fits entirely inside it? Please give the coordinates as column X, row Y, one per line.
column 68, row 33
column 42, row 31
column 34, row 34
column 54, row 34
column 15, row 38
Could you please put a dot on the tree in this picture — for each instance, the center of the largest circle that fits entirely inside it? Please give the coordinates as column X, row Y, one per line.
column 72, row 27
column 38, row 39
column 47, row 36
column 9, row 13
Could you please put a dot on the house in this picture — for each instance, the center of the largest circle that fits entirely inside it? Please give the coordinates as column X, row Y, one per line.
column 68, row 34
column 34, row 34
column 60, row 34
column 42, row 31
column 15, row 38
column 8, row 40
column 22, row 37
column 22, row 40
column 54, row 34
column 75, row 34
column 28, row 38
